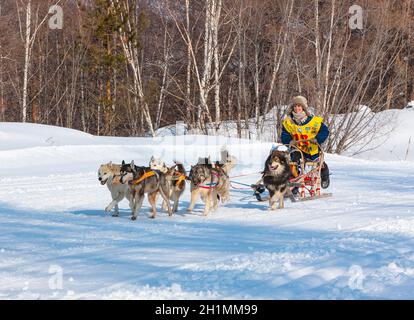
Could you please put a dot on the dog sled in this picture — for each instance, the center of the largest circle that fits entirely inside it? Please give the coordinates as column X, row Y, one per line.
column 303, row 186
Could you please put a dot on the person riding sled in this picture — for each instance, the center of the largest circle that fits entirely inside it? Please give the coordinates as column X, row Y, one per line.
column 306, row 132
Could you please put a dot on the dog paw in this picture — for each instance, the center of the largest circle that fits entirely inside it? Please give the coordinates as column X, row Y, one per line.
column 108, row 209
column 115, row 215
column 133, row 218
column 152, row 216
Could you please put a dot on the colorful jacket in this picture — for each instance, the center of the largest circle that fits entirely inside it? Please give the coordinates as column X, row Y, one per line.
column 314, row 126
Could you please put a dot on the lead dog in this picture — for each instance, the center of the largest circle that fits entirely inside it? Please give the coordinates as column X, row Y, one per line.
column 143, row 180
column 110, row 175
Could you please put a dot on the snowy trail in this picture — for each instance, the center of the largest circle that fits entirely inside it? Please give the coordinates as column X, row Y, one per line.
column 358, row 244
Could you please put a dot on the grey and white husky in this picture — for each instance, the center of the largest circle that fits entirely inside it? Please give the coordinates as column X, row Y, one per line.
column 211, row 182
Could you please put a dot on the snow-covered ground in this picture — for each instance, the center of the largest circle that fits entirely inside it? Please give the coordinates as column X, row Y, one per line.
column 57, row 242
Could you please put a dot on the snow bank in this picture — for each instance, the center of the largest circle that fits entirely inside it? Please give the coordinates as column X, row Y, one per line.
column 394, row 139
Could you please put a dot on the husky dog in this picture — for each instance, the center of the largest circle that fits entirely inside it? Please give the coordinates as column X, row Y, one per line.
column 276, row 177
column 152, row 184
column 110, row 175
column 176, row 177
column 210, row 182
column 158, row 164
column 227, row 162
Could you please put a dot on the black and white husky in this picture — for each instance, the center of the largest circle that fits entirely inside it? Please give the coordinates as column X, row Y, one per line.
column 150, row 184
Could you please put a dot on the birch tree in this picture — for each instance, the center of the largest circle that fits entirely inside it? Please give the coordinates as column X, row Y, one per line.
column 128, row 15
column 28, row 36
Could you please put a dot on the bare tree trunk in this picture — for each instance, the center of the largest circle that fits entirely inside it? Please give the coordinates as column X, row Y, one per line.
column 26, row 59
column 390, row 91
column 83, row 103
column 214, row 29
column 328, row 59
column 132, row 55
column 277, row 60
column 256, row 81
column 190, row 112
column 241, row 48
column 317, row 56
column 1, row 80
column 164, row 83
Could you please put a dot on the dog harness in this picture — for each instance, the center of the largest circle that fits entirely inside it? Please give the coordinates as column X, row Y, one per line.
column 211, row 184
column 143, row 177
column 180, row 177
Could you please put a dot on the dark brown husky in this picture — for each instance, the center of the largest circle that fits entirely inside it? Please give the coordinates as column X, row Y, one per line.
column 276, row 177
column 176, row 177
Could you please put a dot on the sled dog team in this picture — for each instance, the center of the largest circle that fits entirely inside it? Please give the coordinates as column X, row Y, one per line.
column 127, row 180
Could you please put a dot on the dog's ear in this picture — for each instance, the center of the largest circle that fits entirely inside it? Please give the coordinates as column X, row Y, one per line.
column 132, row 164
column 123, row 162
column 152, row 158
column 110, row 164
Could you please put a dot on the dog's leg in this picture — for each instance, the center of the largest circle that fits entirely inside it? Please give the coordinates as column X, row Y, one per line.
column 282, row 192
column 226, row 194
column 164, row 195
column 208, row 202
column 272, row 200
column 175, row 197
column 194, row 198
column 164, row 205
column 152, row 198
column 114, row 203
column 139, row 198
column 281, row 200
column 116, row 213
column 215, row 198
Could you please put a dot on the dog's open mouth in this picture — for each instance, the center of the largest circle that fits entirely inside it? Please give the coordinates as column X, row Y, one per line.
column 103, row 181
column 273, row 167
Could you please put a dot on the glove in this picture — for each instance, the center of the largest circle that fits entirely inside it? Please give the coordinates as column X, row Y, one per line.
column 313, row 141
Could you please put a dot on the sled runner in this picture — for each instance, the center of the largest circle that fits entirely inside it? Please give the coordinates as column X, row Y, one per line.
column 306, row 181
